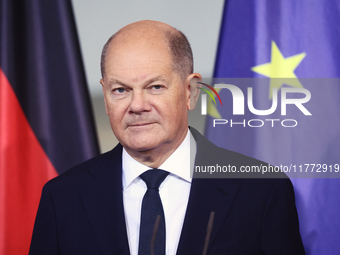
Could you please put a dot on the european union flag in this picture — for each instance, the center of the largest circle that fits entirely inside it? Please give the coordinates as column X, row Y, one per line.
column 288, row 44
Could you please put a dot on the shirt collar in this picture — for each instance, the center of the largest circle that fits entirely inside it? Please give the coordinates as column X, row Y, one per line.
column 178, row 163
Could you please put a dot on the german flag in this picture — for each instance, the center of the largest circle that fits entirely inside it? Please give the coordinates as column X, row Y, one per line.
column 46, row 121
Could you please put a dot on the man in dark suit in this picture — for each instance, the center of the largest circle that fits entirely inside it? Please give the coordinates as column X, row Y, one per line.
column 99, row 207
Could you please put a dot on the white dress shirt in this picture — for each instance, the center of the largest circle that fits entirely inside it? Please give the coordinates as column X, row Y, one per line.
column 174, row 192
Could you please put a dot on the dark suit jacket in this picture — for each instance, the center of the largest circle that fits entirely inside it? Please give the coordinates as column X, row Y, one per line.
column 81, row 211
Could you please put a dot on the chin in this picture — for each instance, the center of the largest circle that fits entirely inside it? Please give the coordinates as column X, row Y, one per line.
column 143, row 147
column 144, row 142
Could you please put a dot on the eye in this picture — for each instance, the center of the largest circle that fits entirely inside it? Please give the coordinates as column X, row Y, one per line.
column 119, row 90
column 157, row 87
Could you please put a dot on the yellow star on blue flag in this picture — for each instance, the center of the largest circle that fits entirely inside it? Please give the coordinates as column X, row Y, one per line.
column 280, row 70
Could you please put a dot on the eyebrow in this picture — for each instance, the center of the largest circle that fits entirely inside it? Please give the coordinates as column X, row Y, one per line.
column 114, row 81
column 158, row 78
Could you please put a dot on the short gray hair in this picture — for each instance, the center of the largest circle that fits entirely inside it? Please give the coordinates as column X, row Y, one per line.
column 179, row 48
column 104, row 53
column 181, row 53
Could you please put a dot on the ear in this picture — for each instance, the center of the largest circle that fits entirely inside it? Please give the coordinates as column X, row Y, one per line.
column 103, row 88
column 192, row 90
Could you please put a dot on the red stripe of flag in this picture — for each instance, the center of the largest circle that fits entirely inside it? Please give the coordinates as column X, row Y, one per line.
column 24, row 169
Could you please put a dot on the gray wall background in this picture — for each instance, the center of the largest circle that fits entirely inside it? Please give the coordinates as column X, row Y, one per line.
column 97, row 20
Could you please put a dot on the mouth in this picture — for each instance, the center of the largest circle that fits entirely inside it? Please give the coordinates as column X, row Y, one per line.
column 141, row 124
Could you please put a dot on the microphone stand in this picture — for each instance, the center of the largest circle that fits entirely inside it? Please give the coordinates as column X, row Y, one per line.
column 209, row 229
column 207, row 238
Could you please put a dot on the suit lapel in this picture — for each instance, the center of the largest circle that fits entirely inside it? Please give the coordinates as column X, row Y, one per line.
column 103, row 203
column 206, row 195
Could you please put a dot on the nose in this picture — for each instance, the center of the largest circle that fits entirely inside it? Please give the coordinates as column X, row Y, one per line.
column 139, row 102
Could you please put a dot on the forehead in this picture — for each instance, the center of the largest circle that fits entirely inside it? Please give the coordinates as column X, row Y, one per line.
column 138, row 54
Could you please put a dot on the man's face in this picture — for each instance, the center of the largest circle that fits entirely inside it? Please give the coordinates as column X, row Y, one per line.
column 145, row 99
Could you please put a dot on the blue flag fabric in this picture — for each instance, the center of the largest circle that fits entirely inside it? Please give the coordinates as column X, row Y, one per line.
column 298, row 40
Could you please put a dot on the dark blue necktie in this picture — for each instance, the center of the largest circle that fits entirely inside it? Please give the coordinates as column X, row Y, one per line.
column 151, row 207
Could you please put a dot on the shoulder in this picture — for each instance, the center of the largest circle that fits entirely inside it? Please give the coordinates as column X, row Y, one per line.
column 217, row 162
column 81, row 174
